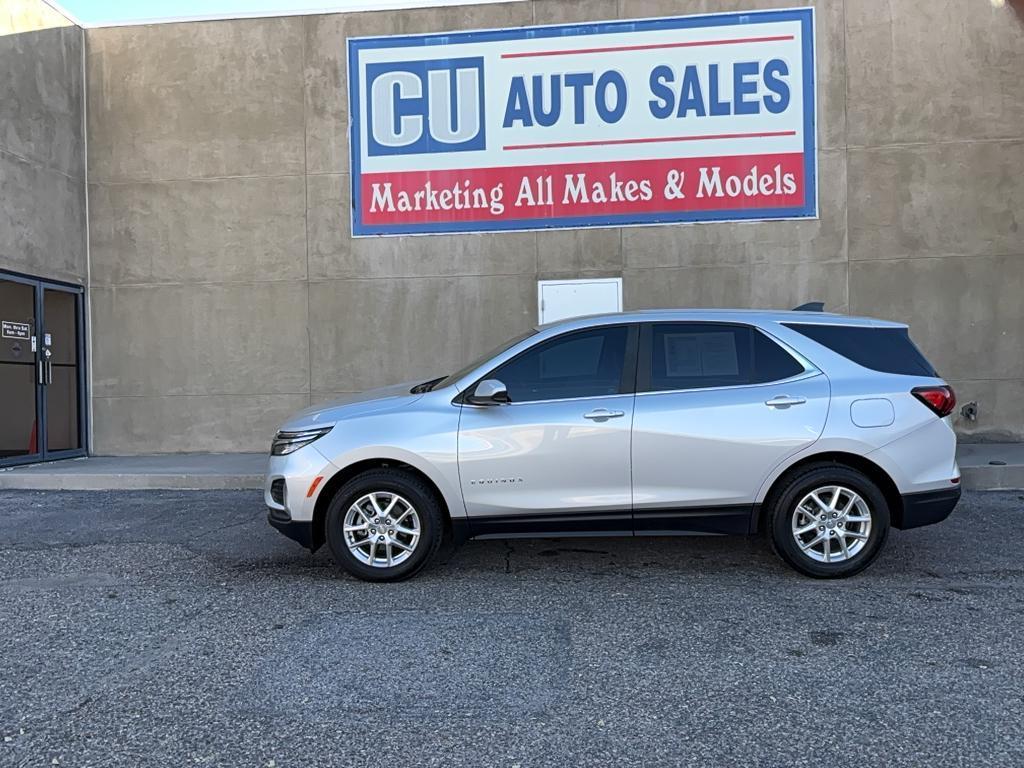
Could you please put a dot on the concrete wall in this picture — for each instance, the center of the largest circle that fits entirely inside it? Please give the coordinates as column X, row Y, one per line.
column 227, row 291
column 42, row 151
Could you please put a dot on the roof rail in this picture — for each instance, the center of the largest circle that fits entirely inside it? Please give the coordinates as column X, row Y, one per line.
column 811, row 306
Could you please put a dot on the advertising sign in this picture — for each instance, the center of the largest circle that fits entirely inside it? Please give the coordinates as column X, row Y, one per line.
column 696, row 118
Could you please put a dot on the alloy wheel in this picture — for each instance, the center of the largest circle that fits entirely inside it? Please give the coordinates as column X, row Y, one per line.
column 382, row 529
column 831, row 524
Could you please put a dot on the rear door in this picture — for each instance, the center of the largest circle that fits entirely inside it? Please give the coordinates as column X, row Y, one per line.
column 718, row 406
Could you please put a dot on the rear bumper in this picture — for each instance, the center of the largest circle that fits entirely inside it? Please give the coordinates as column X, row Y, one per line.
column 296, row 530
column 928, row 507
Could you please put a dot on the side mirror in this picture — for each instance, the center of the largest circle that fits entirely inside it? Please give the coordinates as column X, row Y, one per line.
column 489, row 392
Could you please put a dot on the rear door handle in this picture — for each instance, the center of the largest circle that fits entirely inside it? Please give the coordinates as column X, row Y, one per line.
column 603, row 414
column 784, row 401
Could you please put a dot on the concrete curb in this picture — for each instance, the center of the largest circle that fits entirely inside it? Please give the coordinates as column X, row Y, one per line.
column 214, row 472
column 1008, row 478
column 991, row 466
column 126, row 482
column 193, row 472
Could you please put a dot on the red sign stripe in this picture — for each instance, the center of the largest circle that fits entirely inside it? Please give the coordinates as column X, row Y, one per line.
column 651, row 140
column 476, row 185
column 611, row 49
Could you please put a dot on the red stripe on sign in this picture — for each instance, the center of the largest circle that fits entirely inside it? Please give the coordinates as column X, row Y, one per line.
column 652, row 47
column 652, row 140
column 585, row 189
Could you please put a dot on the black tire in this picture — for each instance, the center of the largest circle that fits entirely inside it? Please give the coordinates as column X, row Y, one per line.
column 782, row 505
column 418, row 493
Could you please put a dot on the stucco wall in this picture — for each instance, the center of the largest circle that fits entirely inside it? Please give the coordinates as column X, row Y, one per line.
column 42, row 155
column 227, row 291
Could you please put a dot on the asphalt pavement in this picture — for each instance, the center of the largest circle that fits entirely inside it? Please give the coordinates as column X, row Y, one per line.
column 158, row 628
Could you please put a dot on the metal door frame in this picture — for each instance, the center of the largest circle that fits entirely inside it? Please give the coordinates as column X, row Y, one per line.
column 44, row 454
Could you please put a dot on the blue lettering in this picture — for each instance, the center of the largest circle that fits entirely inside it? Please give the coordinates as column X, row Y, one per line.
column 518, row 105
column 611, row 114
column 742, row 87
column 717, row 107
column 661, row 104
column 773, row 70
column 579, row 82
column 691, row 97
column 550, row 117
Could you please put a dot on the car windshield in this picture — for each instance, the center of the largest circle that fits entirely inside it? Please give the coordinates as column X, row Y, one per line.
column 452, row 378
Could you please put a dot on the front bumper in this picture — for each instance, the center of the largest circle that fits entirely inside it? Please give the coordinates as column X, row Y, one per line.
column 296, row 530
column 928, row 507
column 289, row 483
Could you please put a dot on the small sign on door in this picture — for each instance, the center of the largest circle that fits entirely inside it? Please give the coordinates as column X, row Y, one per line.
column 12, row 330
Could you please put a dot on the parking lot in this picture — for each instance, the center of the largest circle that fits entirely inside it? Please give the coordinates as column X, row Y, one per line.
column 177, row 628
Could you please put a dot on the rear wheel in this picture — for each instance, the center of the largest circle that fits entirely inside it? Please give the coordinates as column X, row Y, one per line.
column 828, row 521
column 384, row 525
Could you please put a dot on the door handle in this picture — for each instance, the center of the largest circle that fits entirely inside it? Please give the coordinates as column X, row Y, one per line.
column 603, row 414
column 784, row 401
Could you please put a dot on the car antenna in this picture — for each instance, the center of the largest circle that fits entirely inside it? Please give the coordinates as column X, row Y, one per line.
column 811, row 306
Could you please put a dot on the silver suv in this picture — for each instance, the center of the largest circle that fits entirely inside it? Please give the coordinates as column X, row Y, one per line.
column 819, row 430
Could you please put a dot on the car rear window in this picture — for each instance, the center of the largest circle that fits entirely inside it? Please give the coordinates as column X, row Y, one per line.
column 888, row 350
column 700, row 355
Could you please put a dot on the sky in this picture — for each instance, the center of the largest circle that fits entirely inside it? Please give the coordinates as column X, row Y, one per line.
column 103, row 12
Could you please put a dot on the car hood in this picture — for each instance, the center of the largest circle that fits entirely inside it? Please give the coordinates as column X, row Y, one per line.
column 371, row 401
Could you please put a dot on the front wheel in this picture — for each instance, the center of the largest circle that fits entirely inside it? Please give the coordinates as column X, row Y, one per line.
column 384, row 525
column 828, row 521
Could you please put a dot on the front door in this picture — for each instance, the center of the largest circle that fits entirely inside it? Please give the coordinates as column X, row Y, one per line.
column 40, row 370
column 556, row 459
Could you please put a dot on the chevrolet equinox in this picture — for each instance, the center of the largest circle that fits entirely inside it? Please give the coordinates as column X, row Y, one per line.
column 820, row 431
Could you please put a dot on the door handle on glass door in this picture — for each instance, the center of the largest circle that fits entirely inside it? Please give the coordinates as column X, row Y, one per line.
column 603, row 414
column 784, row 401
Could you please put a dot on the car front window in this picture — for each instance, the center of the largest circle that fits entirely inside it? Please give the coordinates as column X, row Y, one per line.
column 586, row 363
column 451, row 379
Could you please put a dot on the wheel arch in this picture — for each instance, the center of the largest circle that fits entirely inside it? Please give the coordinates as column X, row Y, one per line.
column 334, row 483
column 874, row 472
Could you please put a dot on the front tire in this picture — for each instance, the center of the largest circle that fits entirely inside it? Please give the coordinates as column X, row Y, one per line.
column 828, row 521
column 384, row 525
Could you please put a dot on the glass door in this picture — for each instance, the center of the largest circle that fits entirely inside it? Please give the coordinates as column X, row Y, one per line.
column 60, row 353
column 19, row 373
column 41, row 371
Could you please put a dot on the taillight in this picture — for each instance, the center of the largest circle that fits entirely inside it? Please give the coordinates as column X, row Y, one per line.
column 942, row 399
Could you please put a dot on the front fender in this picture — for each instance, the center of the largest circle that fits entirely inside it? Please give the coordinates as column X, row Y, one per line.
column 442, row 474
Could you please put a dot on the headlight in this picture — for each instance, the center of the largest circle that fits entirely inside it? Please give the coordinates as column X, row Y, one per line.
column 288, row 442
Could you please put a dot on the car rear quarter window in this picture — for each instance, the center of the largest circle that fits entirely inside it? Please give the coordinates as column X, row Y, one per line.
column 772, row 362
column 701, row 355
column 887, row 350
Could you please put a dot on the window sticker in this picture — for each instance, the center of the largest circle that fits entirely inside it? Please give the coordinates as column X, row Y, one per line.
column 701, row 354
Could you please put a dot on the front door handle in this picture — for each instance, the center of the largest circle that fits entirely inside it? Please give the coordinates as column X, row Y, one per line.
column 603, row 414
column 784, row 401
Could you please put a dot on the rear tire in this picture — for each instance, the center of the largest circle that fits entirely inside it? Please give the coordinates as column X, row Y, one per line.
column 828, row 521
column 384, row 525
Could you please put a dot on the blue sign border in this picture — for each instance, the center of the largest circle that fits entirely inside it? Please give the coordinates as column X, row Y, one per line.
column 809, row 211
